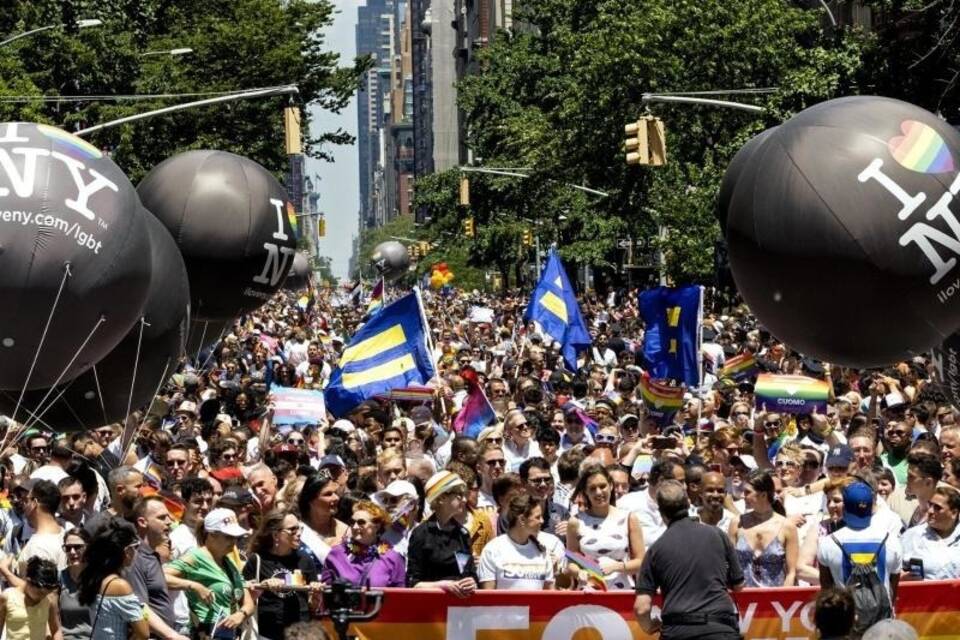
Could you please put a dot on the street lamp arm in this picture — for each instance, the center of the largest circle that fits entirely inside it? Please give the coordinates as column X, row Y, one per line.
column 652, row 97
column 243, row 95
column 81, row 24
column 516, row 174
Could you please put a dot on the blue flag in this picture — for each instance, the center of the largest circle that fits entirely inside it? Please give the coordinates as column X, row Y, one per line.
column 388, row 352
column 554, row 307
column 671, row 340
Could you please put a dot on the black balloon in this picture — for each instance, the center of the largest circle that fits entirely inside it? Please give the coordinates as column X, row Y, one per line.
column 299, row 272
column 63, row 202
column 737, row 167
column 840, row 233
column 101, row 395
column 233, row 224
column 391, row 259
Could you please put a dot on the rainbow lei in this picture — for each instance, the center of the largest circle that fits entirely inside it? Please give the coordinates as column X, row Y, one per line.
column 361, row 552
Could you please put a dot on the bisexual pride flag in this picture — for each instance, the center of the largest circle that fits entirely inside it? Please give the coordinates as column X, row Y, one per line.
column 790, row 394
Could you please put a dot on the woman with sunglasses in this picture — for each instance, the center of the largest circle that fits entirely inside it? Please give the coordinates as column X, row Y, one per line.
column 115, row 611
column 218, row 598
column 274, row 564
column 365, row 559
column 766, row 542
column 439, row 554
column 74, row 617
column 28, row 611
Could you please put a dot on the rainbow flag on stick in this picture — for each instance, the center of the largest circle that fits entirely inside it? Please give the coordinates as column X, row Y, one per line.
column 661, row 399
column 790, row 394
column 741, row 367
column 594, row 573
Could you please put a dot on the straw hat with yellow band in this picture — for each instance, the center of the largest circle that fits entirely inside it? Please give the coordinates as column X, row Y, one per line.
column 443, row 482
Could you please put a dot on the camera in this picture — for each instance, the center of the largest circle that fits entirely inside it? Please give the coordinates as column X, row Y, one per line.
column 343, row 603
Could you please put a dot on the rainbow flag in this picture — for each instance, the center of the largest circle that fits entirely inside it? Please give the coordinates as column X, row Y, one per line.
column 375, row 303
column 475, row 414
column 790, row 394
column 594, row 572
column 660, row 397
column 174, row 503
column 741, row 367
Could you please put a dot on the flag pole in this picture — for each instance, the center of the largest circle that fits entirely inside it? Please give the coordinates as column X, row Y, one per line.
column 430, row 347
column 696, row 443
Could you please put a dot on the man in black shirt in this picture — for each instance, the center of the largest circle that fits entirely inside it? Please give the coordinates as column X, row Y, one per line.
column 693, row 565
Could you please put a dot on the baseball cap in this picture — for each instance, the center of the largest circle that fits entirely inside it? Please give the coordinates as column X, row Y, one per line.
column 421, row 414
column 840, row 456
column 396, row 489
column 237, row 497
column 344, row 425
column 187, row 406
column 224, row 521
column 857, row 505
column 746, row 460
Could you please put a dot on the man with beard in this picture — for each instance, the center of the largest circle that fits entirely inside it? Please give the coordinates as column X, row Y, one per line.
column 124, row 484
column 713, row 494
column 40, row 510
column 145, row 575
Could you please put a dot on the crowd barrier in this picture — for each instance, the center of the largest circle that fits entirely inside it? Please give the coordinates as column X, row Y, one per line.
column 933, row 608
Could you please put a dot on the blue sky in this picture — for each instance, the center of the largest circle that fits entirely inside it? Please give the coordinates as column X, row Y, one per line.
column 339, row 181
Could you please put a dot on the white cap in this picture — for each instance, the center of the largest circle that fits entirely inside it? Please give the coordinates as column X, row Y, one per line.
column 396, row 489
column 344, row 425
column 748, row 461
column 224, row 521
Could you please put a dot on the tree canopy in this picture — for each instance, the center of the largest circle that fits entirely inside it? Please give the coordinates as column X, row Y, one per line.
column 237, row 45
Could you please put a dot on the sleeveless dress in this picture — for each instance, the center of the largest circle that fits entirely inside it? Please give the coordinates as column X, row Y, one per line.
column 607, row 538
column 23, row 622
column 764, row 568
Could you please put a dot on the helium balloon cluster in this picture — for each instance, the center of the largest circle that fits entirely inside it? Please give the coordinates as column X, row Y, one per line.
column 841, row 233
column 98, row 278
column 441, row 276
column 391, row 260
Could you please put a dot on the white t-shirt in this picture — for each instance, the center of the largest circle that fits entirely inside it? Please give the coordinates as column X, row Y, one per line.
column 863, row 545
column 515, row 566
column 640, row 503
column 48, row 546
column 182, row 539
column 940, row 556
column 515, row 457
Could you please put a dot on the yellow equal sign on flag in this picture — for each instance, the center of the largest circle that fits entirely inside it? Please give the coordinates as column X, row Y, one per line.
column 374, row 345
column 370, row 348
column 552, row 303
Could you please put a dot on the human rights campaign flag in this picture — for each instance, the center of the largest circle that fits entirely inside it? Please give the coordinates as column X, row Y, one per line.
column 554, row 307
column 389, row 352
column 671, row 340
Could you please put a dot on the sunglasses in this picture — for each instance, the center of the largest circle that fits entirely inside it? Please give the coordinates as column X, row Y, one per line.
column 295, row 441
column 785, row 463
column 523, row 426
column 360, row 522
column 495, row 440
column 74, row 548
column 630, row 427
column 176, row 463
column 772, row 423
column 605, row 439
column 502, row 462
column 545, row 480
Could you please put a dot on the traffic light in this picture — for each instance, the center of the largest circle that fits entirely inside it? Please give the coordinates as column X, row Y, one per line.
column 464, row 191
column 468, row 228
column 414, row 252
column 527, row 238
column 321, row 227
column 424, row 248
column 646, row 142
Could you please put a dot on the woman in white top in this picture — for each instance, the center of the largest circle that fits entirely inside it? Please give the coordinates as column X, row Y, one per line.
column 608, row 536
column 931, row 551
column 523, row 558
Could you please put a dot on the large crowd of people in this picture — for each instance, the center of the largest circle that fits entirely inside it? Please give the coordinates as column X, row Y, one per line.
column 216, row 518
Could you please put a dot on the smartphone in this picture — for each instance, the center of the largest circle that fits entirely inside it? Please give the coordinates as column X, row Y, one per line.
column 914, row 566
column 664, row 442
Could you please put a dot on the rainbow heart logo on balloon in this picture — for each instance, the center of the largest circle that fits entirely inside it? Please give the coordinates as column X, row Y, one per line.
column 921, row 149
column 292, row 217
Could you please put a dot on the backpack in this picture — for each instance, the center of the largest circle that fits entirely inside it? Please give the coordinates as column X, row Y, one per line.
column 870, row 597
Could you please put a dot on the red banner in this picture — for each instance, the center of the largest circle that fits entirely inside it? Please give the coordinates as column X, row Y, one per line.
column 933, row 608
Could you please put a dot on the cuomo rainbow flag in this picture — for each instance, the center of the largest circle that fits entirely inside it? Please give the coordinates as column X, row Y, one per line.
column 790, row 394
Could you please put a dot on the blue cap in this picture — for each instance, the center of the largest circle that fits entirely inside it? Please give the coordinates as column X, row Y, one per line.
column 840, row 456
column 857, row 505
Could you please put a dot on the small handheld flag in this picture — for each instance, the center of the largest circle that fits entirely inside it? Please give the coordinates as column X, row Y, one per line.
column 741, row 367
column 592, row 569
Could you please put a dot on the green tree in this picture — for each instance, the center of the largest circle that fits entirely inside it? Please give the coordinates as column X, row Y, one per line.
column 237, row 45
column 554, row 96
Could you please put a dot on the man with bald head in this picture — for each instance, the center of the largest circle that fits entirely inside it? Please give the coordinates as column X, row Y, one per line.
column 713, row 493
column 692, row 565
column 263, row 483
